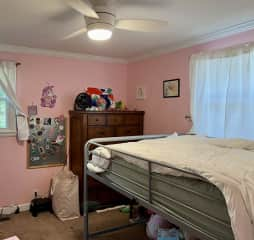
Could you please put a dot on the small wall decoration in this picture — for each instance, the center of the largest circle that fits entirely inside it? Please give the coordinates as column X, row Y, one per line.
column 47, row 144
column 171, row 88
column 32, row 110
column 48, row 98
column 140, row 93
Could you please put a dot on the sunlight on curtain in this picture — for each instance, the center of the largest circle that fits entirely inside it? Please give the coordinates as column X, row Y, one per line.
column 13, row 118
column 7, row 94
column 3, row 110
column 222, row 93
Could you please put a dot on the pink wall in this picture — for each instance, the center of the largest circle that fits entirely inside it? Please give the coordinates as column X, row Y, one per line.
column 69, row 76
column 17, row 183
column 167, row 115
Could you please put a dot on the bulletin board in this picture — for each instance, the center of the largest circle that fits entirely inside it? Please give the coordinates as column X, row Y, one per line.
column 47, row 144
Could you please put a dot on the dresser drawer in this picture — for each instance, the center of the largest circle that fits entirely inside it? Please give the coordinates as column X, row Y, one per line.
column 127, row 131
column 115, row 120
column 97, row 132
column 132, row 119
column 96, row 119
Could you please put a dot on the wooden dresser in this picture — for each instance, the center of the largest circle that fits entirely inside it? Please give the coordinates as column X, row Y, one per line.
column 87, row 125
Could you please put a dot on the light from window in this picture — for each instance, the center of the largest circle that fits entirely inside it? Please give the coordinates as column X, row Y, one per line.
column 3, row 110
column 8, row 98
column 222, row 93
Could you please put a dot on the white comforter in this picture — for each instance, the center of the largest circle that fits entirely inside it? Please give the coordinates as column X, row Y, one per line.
column 228, row 164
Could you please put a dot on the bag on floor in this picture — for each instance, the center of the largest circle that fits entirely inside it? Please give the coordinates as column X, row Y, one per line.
column 65, row 195
column 168, row 234
column 155, row 222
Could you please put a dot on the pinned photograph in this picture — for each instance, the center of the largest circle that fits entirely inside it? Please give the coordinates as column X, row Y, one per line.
column 32, row 110
column 47, row 121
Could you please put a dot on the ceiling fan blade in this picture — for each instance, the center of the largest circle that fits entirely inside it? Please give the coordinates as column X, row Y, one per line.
column 141, row 25
column 75, row 34
column 83, row 7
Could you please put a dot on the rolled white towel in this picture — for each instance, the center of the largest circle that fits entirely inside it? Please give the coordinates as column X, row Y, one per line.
column 100, row 160
column 94, row 169
column 102, row 152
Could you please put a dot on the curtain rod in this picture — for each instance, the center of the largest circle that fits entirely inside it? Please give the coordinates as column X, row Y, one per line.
column 17, row 63
column 211, row 51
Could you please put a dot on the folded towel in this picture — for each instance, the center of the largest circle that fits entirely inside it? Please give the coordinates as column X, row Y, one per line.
column 102, row 152
column 94, row 169
column 100, row 160
column 22, row 128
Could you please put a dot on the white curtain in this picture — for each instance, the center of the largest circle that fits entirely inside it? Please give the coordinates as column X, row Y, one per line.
column 8, row 85
column 8, row 82
column 222, row 93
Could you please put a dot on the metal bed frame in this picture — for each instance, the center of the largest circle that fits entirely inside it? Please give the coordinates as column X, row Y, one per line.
column 147, row 203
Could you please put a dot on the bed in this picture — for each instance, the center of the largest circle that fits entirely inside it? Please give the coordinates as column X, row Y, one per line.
column 187, row 199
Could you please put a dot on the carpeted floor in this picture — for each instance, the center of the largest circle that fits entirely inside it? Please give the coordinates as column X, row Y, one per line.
column 47, row 227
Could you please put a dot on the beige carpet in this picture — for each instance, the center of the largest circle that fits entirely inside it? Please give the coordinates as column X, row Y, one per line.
column 47, row 227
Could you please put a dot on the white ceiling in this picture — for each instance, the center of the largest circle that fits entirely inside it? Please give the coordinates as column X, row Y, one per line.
column 43, row 23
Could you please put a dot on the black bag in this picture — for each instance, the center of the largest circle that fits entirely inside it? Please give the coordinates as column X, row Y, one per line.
column 82, row 102
column 40, row 205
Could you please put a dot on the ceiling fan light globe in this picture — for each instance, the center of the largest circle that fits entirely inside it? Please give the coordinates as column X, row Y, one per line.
column 99, row 34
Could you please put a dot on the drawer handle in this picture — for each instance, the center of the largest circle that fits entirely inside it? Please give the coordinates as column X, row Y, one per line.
column 101, row 133
column 96, row 119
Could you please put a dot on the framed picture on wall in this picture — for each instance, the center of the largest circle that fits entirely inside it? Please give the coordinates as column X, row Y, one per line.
column 171, row 88
column 140, row 93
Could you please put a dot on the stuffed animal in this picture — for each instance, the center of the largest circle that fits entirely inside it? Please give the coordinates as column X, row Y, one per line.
column 101, row 99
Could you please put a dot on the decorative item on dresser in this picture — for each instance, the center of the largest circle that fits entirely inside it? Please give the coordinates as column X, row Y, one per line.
column 85, row 125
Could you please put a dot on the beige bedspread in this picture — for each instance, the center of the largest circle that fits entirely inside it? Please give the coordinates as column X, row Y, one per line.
column 228, row 164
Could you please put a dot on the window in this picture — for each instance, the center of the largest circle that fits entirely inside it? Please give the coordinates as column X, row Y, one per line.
column 222, row 93
column 7, row 110
column 7, row 114
column 3, row 110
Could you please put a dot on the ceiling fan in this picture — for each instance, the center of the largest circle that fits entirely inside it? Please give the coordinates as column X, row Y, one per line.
column 100, row 19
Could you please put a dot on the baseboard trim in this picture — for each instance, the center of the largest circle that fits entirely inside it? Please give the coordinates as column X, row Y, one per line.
column 24, row 207
column 12, row 209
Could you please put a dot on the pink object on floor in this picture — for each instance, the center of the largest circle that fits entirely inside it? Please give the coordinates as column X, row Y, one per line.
column 12, row 238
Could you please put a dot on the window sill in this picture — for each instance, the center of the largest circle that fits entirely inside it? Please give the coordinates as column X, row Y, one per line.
column 7, row 133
